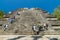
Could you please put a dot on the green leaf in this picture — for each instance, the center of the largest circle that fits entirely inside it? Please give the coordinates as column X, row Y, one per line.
column 57, row 12
column 1, row 13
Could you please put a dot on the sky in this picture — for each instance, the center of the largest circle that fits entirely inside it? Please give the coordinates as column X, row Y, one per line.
column 10, row 5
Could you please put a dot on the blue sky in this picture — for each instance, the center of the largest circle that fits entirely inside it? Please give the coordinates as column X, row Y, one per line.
column 9, row 5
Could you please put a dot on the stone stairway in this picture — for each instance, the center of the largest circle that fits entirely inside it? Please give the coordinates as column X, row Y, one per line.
column 23, row 24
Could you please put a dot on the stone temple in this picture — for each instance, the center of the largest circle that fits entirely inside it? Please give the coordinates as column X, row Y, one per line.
column 26, row 18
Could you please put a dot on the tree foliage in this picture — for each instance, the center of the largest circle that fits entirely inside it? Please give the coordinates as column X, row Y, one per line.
column 57, row 12
column 1, row 14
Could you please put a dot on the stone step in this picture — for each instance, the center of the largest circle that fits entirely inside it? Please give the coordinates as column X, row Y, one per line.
column 56, row 27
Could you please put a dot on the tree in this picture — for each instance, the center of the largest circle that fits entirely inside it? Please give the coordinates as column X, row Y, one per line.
column 56, row 13
column 1, row 14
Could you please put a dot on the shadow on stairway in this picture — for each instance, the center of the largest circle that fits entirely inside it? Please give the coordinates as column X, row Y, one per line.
column 17, row 38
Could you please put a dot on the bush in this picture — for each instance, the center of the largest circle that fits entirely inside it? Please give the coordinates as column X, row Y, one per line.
column 1, row 14
column 57, row 13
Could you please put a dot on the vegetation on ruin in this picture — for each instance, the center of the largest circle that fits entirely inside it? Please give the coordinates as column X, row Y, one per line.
column 57, row 12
